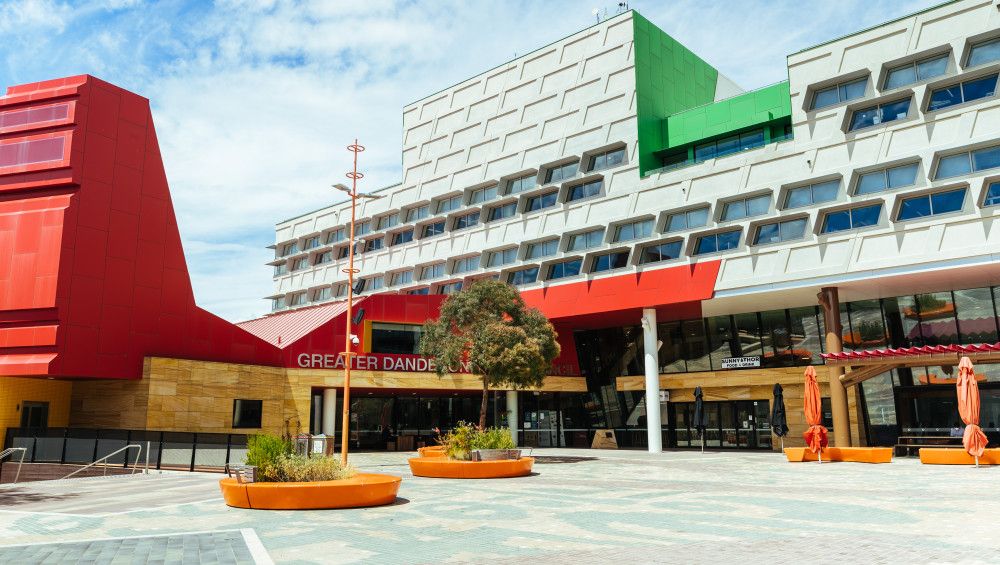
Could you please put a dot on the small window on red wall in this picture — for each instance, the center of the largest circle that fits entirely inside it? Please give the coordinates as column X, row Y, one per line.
column 247, row 413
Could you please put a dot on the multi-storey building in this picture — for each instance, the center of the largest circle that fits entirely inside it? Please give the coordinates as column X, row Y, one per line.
column 616, row 153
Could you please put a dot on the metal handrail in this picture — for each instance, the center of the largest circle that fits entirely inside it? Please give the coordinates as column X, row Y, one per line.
column 116, row 452
column 11, row 450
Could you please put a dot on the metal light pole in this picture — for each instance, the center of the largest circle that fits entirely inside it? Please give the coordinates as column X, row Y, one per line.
column 354, row 175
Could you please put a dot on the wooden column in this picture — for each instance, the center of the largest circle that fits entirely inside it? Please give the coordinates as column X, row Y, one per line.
column 830, row 301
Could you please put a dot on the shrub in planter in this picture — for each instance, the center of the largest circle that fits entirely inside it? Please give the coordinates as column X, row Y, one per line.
column 460, row 442
column 275, row 462
column 265, row 451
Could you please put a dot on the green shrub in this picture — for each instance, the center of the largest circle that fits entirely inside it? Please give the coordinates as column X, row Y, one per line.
column 461, row 441
column 299, row 469
column 493, row 438
column 265, row 452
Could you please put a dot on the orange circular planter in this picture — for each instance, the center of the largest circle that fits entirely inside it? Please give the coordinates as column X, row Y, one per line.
column 444, row 468
column 432, row 451
column 361, row 490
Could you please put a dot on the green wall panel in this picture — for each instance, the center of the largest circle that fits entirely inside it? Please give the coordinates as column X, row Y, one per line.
column 669, row 78
column 755, row 108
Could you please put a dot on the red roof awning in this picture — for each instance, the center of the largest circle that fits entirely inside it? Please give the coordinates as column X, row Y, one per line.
column 284, row 328
column 890, row 353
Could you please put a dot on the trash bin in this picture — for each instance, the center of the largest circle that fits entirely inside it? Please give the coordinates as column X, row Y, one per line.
column 322, row 444
column 302, row 444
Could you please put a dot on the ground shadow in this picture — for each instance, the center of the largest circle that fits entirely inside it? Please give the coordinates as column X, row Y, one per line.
column 557, row 459
column 15, row 496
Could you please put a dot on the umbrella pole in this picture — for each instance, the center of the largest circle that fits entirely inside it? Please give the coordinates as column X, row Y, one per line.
column 703, row 442
column 782, row 444
column 977, row 461
column 819, row 455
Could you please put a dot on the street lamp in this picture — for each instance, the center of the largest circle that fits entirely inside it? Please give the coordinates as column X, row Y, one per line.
column 354, row 175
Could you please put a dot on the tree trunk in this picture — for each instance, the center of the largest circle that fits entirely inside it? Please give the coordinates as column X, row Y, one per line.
column 482, row 407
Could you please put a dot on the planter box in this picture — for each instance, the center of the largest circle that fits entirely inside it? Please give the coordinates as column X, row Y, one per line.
column 361, row 490
column 444, row 468
column 495, row 454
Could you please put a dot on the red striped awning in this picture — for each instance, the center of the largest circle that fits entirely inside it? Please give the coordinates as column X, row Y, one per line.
column 285, row 328
column 890, row 353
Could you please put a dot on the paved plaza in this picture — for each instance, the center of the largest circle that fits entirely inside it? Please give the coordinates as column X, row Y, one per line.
column 582, row 506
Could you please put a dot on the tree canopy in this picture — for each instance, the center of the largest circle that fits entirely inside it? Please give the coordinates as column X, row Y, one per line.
column 489, row 326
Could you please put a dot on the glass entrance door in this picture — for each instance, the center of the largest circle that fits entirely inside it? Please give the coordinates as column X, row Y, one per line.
column 734, row 424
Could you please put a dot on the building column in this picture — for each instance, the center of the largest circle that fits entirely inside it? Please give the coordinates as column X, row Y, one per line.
column 829, row 299
column 330, row 411
column 654, row 436
column 512, row 414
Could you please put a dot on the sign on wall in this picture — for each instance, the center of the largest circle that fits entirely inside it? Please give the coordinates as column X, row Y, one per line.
column 741, row 362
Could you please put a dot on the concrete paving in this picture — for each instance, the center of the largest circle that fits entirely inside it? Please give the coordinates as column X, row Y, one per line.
column 581, row 506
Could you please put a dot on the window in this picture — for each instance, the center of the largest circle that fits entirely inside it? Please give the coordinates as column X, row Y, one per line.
column 502, row 257
column 585, row 240
column 430, row 230
column 609, row 261
column 521, row 184
column 585, row 190
column 300, row 263
column 342, row 252
column 386, row 222
column 432, row 271
column 399, row 339
column 893, row 177
column 278, row 303
column 418, row 213
column 565, row 269
column 962, row 92
column 931, row 204
column 812, row 194
column 312, row 242
column 402, row 277
column 247, row 413
column 965, row 163
column 746, row 207
column 540, row 202
column 992, row 195
column 607, row 159
column 34, row 414
column 402, row 237
column 290, row 248
column 362, row 228
column 561, row 172
column 466, row 221
column 372, row 244
column 450, row 288
column 780, row 231
column 324, row 257
column 501, row 212
column 424, row 290
column 661, row 252
column 340, row 290
column 717, row 242
column 448, row 204
column 465, row 264
column 840, row 93
column 524, row 276
column 910, row 73
column 852, row 218
column 325, row 293
column 542, row 249
column 298, row 299
column 336, row 235
column 375, row 283
column 634, row 230
column 280, row 269
column 481, row 195
column 880, row 114
column 687, row 220
column 985, row 52
column 729, row 145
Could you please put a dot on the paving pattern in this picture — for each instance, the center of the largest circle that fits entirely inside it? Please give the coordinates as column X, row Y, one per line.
column 581, row 506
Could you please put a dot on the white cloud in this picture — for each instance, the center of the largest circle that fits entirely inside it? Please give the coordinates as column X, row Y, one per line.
column 254, row 102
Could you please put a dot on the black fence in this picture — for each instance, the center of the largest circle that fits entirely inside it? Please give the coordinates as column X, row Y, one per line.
column 166, row 450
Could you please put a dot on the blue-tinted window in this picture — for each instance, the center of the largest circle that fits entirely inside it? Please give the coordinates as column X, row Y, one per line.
column 502, row 257
column 812, row 194
column 840, row 93
column 465, row 264
column 729, row 145
column 436, row 228
column 521, row 184
column 985, row 52
column 540, row 202
column 661, row 252
column 418, row 213
column 634, row 230
column 893, row 177
column 953, row 166
column 565, row 269
column 609, row 261
column 853, row 218
column 424, row 290
column 687, row 220
column 362, row 228
column 542, row 249
column 372, row 245
column 912, row 72
column 606, row 160
column 481, row 195
column 788, row 230
column 524, row 276
column 448, row 204
column 992, row 195
column 746, row 208
column 585, row 240
column 325, row 257
column 336, row 235
column 432, row 271
column 717, row 242
column 586, row 190
column 402, row 237
column 984, row 159
column 561, row 172
column 931, row 204
column 880, row 114
column 467, row 221
column 501, row 212
column 963, row 92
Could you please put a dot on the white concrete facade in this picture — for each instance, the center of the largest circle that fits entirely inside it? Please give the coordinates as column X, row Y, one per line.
column 576, row 98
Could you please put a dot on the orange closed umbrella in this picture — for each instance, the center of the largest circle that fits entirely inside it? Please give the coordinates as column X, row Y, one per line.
column 815, row 436
column 974, row 440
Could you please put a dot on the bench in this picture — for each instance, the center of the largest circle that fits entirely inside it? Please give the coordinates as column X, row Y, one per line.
column 946, row 456
column 907, row 443
column 846, row 454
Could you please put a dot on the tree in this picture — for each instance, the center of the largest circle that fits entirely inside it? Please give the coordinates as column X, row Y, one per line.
column 489, row 326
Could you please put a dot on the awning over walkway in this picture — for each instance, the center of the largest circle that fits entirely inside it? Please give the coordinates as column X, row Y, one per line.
column 869, row 363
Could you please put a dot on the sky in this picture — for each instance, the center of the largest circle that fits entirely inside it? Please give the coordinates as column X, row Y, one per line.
column 254, row 102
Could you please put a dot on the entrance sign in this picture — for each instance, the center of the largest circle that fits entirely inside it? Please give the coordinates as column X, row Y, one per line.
column 741, row 362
